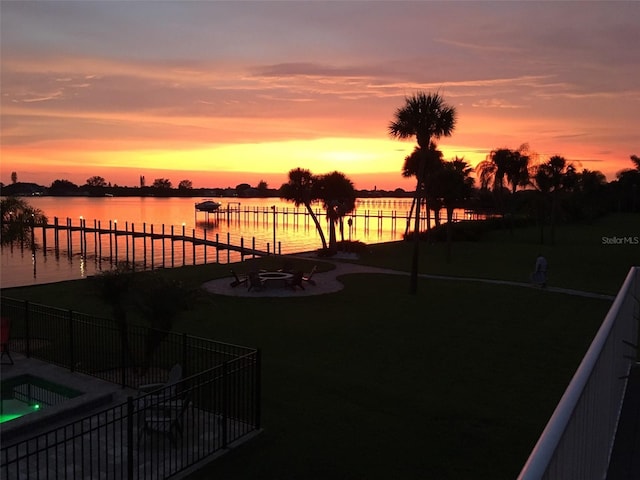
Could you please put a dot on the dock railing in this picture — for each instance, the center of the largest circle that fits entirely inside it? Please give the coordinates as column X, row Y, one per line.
column 578, row 439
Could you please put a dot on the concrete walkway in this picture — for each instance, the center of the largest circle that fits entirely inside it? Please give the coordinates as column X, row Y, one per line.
column 328, row 282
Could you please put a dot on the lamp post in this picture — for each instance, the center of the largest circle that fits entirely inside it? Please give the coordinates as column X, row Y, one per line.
column 273, row 207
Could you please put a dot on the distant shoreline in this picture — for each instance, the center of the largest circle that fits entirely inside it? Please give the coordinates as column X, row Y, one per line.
column 35, row 190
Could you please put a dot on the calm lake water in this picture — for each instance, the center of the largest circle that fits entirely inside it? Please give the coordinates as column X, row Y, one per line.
column 250, row 221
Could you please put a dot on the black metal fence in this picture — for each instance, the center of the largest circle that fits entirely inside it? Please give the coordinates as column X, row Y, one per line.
column 155, row 435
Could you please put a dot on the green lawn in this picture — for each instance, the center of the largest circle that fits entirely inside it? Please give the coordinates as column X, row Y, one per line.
column 457, row 382
column 578, row 260
column 374, row 383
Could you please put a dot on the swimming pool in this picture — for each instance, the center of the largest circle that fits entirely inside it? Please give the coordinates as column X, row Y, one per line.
column 26, row 394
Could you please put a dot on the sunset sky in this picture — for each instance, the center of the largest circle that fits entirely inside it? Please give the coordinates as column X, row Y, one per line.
column 222, row 93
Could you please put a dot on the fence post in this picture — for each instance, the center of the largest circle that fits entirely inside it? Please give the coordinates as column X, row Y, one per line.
column 130, row 437
column 185, row 368
column 33, row 233
column 124, row 331
column 193, row 243
column 72, row 357
column 258, row 399
column 225, row 402
column 26, row 328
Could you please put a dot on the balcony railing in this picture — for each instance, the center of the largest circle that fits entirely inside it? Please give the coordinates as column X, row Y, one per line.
column 578, row 439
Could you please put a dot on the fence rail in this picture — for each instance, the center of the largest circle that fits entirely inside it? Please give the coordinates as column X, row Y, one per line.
column 151, row 436
column 578, row 439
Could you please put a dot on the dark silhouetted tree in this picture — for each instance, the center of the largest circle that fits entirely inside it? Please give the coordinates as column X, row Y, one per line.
column 627, row 186
column 303, row 189
column 262, row 188
column 552, row 178
column 162, row 183
column 431, row 160
column 588, row 194
column 338, row 198
column 453, row 185
column 63, row 187
column 18, row 219
column 425, row 117
column 96, row 181
column 242, row 189
column 503, row 171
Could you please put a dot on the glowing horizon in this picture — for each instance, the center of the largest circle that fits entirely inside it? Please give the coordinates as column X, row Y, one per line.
column 99, row 90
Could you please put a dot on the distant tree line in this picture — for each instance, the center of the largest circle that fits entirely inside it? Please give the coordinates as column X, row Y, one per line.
column 97, row 186
column 161, row 187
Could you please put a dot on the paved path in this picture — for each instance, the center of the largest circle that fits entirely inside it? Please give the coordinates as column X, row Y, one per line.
column 328, row 282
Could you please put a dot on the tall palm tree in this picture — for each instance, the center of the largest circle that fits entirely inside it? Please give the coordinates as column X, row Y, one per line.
column 453, row 185
column 492, row 170
column 517, row 171
column 628, row 186
column 303, row 189
column 339, row 198
column 551, row 178
column 504, row 163
column 590, row 186
column 426, row 117
column 432, row 159
column 503, row 171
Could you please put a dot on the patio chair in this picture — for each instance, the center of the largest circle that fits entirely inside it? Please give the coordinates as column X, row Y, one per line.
column 296, row 281
column 255, row 281
column 307, row 278
column 237, row 280
column 166, row 420
column 5, row 329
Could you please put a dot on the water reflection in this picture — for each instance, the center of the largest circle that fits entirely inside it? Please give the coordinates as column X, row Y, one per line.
column 139, row 232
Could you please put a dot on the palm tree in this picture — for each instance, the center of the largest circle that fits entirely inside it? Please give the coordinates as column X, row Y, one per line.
column 303, row 189
column 432, row 160
column 504, row 171
column 628, row 185
column 492, row 170
column 425, row 117
column 590, row 186
column 517, row 171
column 339, row 198
column 18, row 218
column 551, row 178
column 454, row 185
column 505, row 163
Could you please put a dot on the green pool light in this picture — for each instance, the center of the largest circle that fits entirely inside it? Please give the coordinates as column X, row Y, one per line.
column 36, row 406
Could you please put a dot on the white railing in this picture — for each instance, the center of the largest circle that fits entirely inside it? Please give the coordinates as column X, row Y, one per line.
column 578, row 439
